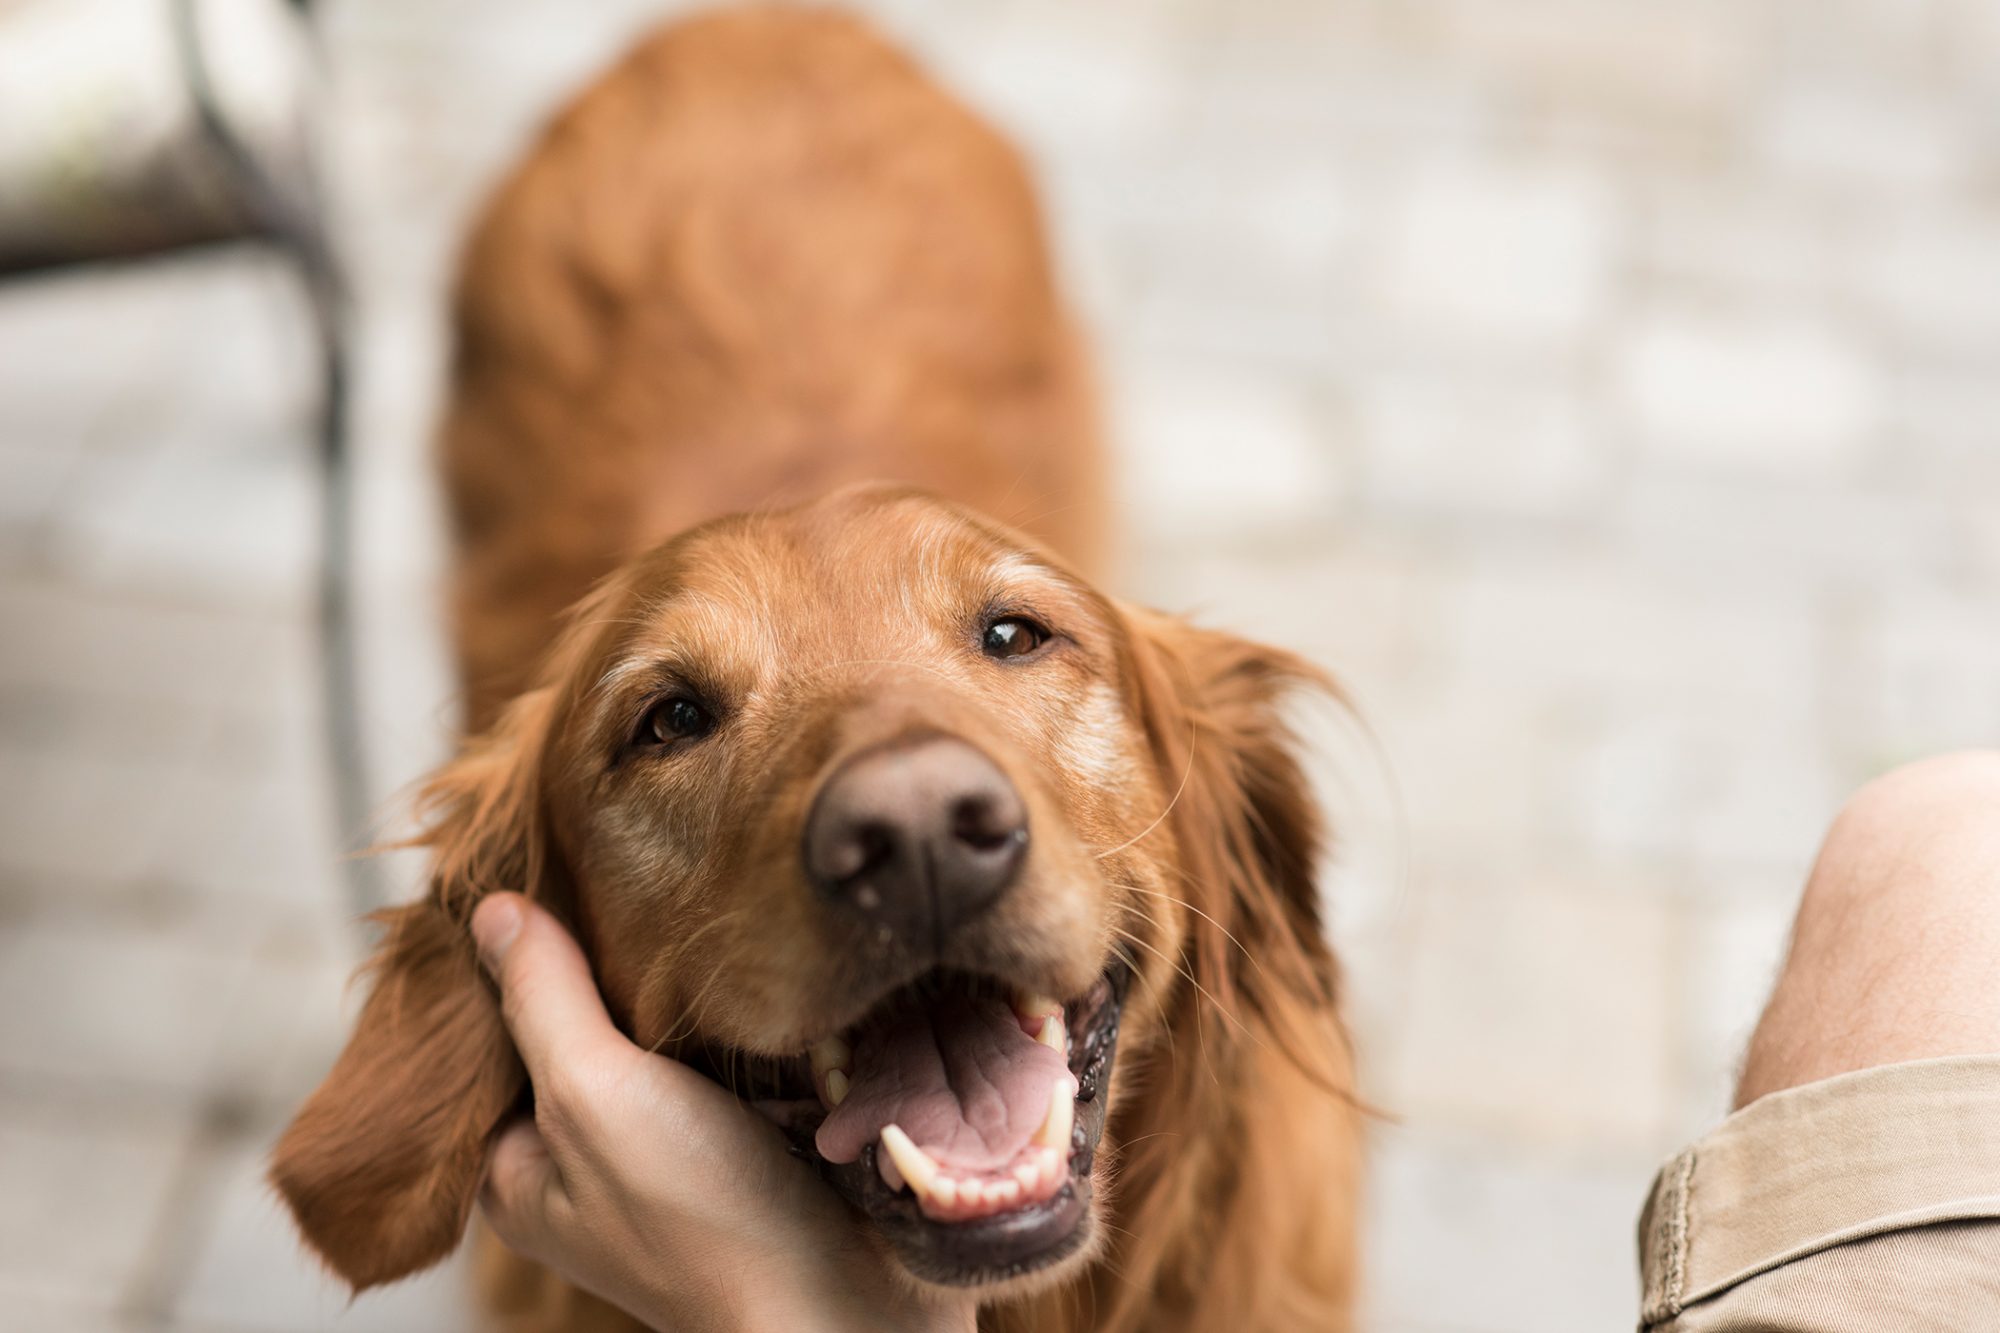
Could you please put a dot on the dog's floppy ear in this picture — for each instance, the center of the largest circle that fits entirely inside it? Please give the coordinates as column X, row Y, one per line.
column 381, row 1165
column 1272, row 1074
column 1245, row 821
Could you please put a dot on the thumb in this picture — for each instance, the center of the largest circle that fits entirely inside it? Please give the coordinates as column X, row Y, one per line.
column 547, row 994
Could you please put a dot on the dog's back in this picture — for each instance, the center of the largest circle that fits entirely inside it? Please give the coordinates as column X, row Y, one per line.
column 761, row 257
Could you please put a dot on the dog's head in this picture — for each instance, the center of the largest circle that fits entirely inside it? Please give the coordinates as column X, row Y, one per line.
column 888, row 821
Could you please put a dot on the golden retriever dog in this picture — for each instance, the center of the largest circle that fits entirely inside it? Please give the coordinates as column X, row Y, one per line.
column 995, row 894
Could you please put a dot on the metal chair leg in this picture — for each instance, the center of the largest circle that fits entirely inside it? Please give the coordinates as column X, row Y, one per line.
column 291, row 218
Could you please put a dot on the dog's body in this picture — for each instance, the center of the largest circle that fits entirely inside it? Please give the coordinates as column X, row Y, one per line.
column 762, row 259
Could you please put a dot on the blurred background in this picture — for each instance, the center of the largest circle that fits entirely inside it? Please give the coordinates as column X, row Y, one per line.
column 1608, row 391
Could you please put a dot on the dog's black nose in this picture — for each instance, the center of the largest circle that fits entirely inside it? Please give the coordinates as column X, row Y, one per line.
column 917, row 836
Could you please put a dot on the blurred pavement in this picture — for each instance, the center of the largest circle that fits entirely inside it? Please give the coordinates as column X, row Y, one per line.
column 1608, row 391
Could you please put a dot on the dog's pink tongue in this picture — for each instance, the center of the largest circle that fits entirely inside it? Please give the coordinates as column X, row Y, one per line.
column 962, row 1079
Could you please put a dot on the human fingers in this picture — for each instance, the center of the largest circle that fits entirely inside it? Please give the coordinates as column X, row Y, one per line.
column 522, row 1194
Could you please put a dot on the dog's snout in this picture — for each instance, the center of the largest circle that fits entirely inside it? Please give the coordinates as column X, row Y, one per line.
column 916, row 836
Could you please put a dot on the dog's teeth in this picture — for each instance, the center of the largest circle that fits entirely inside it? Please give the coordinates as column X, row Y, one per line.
column 833, row 1053
column 919, row 1172
column 1028, row 1004
column 1054, row 1132
column 832, row 1059
column 1055, row 1034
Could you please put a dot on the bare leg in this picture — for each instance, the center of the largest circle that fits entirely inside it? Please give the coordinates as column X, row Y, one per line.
column 1896, row 950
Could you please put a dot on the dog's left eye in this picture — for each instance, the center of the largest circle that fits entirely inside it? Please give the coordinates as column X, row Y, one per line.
column 1013, row 636
column 676, row 719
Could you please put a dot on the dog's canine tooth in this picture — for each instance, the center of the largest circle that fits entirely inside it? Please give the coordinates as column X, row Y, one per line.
column 1055, row 1034
column 919, row 1171
column 1030, row 1006
column 1055, row 1130
column 832, row 1053
column 832, row 1059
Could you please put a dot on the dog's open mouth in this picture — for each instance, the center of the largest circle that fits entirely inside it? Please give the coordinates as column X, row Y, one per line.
column 962, row 1116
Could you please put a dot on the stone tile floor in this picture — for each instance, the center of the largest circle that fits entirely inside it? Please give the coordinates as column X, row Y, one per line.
column 1606, row 390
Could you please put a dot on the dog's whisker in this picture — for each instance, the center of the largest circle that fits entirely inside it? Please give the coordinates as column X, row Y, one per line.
column 1020, row 475
column 1186, row 772
column 1226, row 933
column 1252, row 959
column 1130, row 961
column 1182, row 968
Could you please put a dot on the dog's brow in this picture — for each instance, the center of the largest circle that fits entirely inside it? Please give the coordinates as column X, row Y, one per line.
column 689, row 606
column 1015, row 565
column 618, row 672
column 604, row 694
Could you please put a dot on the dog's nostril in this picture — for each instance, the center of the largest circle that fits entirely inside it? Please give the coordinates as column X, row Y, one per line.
column 874, row 847
column 980, row 823
column 866, row 847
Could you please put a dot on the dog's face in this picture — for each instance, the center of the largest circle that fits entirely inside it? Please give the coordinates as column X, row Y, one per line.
column 851, row 799
column 887, row 821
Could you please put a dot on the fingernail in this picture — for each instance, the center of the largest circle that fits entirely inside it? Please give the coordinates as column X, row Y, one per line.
column 495, row 923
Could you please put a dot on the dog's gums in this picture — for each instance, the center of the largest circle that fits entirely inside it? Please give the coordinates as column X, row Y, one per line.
column 962, row 1116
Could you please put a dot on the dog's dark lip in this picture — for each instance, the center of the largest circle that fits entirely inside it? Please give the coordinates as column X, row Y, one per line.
column 989, row 1249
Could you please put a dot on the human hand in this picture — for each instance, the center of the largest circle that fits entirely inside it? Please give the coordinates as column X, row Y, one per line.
column 647, row 1184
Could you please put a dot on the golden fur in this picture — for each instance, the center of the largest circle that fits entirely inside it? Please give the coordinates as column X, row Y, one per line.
column 760, row 260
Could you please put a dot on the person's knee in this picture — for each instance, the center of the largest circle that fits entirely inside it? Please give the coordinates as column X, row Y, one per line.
column 1944, row 788
column 1912, row 830
column 1897, row 939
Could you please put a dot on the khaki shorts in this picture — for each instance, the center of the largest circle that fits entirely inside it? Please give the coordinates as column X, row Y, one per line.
column 1867, row 1203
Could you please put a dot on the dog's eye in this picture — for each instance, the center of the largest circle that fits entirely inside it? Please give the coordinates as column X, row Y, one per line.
column 1013, row 636
column 677, row 719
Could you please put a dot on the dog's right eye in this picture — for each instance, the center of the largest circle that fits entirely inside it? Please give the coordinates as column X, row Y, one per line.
column 676, row 719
